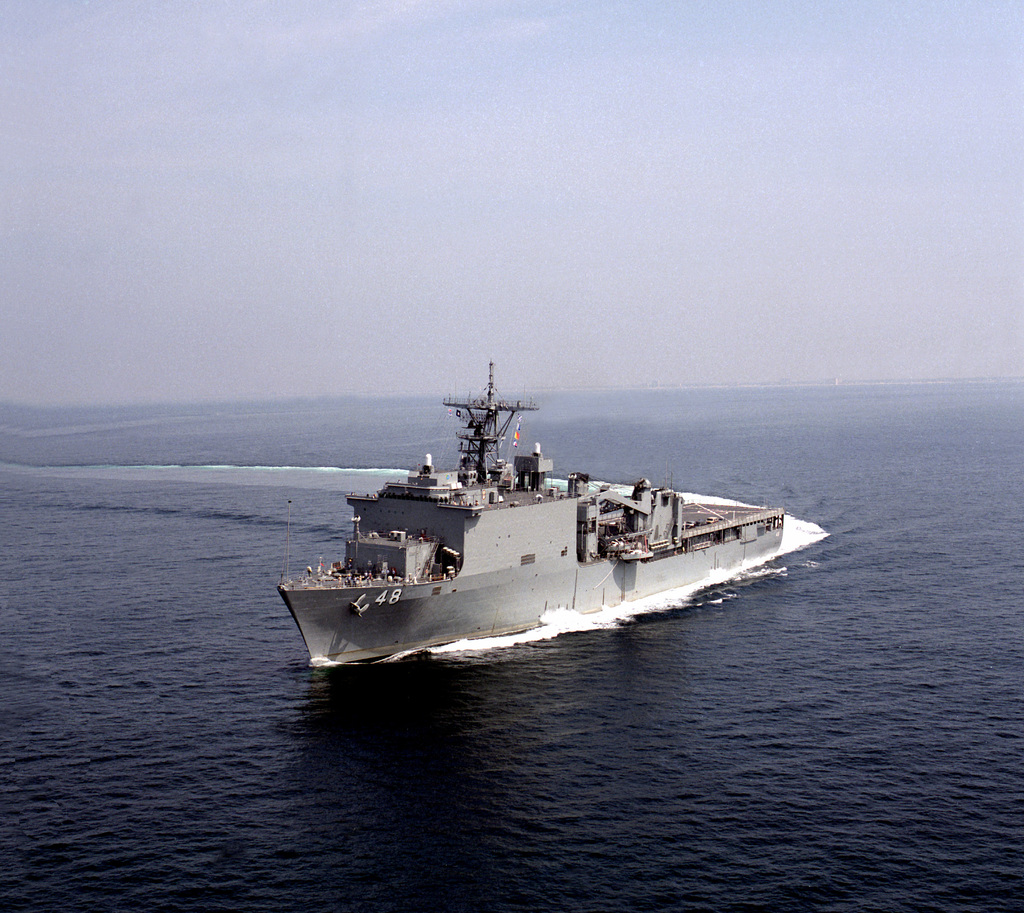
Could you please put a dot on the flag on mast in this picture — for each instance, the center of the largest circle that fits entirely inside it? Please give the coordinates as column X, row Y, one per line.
column 515, row 437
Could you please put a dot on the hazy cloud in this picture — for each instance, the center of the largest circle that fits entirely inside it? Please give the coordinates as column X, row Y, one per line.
column 236, row 200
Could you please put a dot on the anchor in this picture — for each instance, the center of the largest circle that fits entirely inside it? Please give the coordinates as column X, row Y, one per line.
column 358, row 607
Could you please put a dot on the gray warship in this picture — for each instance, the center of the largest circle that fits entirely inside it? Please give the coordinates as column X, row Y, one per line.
column 490, row 547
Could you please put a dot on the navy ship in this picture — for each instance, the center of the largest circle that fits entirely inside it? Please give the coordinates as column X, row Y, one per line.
column 488, row 548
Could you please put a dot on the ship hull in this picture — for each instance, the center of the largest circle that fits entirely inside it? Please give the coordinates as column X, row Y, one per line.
column 349, row 624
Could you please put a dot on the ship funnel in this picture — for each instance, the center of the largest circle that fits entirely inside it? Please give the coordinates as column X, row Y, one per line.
column 531, row 471
column 428, row 464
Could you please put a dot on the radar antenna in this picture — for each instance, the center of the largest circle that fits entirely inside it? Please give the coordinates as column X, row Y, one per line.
column 485, row 427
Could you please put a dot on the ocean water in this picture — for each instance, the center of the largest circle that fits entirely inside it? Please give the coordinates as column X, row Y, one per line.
column 842, row 729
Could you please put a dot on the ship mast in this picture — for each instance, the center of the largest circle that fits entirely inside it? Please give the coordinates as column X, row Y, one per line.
column 485, row 427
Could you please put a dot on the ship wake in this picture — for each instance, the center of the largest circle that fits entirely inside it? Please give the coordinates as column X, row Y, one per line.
column 797, row 534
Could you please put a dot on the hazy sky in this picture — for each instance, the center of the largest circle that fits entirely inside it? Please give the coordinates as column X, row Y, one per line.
column 243, row 199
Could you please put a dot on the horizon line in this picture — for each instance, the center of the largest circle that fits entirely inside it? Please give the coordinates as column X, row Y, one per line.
column 284, row 398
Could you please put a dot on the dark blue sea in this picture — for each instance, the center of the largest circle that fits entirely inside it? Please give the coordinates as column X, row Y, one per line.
column 843, row 730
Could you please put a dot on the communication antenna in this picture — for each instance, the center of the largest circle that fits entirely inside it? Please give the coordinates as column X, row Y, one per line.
column 287, row 541
column 485, row 427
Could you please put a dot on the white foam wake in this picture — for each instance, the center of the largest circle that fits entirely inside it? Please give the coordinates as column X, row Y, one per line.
column 339, row 478
column 797, row 534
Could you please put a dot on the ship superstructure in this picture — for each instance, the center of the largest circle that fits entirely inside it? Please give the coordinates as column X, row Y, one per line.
column 489, row 547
